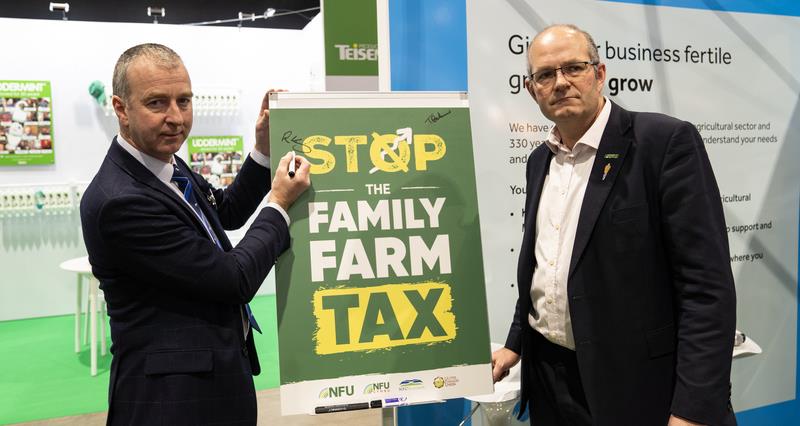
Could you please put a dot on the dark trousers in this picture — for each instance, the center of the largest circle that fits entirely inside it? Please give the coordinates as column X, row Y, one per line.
column 556, row 392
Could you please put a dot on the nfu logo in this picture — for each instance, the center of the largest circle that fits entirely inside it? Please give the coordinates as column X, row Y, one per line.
column 337, row 392
column 380, row 387
column 357, row 52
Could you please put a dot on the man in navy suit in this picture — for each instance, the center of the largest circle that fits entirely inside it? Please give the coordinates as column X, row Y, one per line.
column 177, row 291
column 626, row 309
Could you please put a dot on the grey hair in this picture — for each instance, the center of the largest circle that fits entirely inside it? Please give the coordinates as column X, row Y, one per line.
column 591, row 47
column 159, row 54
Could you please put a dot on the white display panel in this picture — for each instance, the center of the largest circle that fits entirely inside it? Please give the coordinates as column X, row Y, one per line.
column 732, row 69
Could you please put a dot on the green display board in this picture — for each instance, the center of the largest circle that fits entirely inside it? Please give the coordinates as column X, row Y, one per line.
column 217, row 158
column 26, row 123
column 382, row 291
column 351, row 37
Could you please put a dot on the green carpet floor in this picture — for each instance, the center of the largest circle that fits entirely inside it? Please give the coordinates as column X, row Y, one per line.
column 42, row 377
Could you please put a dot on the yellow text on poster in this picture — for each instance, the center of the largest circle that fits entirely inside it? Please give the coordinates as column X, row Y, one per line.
column 381, row 317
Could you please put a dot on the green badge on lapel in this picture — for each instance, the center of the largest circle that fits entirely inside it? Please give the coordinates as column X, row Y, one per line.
column 611, row 156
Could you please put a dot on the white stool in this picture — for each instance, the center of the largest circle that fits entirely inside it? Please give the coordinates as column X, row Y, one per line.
column 95, row 302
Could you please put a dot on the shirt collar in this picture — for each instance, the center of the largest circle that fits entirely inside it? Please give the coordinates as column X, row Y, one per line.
column 161, row 170
column 592, row 136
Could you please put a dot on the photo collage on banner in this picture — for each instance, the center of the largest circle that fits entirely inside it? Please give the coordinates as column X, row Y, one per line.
column 216, row 158
column 381, row 296
column 26, row 136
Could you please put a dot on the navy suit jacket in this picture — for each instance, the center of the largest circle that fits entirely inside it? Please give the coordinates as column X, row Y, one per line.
column 174, row 298
column 650, row 289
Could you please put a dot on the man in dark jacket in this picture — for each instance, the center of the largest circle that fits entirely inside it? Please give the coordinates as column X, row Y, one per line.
column 176, row 289
column 626, row 309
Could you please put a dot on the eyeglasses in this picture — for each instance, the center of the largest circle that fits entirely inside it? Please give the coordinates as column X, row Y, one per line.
column 547, row 77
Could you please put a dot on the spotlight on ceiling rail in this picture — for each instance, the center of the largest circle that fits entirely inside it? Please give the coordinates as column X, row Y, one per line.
column 156, row 12
column 60, row 7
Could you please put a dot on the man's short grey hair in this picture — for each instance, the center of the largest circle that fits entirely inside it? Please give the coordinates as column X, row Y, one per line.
column 158, row 54
column 591, row 47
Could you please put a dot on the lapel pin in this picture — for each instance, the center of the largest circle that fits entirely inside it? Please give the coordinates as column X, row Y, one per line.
column 606, row 169
column 608, row 156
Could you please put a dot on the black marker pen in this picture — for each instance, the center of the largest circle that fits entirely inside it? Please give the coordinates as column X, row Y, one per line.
column 347, row 407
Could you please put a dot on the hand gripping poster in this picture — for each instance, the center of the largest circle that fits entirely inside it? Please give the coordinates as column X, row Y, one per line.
column 381, row 296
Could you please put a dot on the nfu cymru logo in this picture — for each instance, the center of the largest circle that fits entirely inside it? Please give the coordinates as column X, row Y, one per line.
column 337, row 392
column 357, row 52
column 380, row 387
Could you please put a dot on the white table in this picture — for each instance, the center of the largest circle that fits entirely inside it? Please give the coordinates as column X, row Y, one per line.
column 81, row 266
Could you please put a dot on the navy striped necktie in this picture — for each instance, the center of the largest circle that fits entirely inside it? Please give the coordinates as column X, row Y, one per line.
column 185, row 186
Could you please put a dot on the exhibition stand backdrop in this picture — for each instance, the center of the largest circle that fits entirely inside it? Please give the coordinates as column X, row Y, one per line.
column 725, row 66
column 230, row 68
column 731, row 72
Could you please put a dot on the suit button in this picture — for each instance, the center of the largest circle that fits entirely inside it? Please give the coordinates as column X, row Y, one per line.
column 244, row 351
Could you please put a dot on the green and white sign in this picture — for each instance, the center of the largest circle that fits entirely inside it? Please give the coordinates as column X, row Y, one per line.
column 351, row 44
column 381, row 294
column 217, row 158
column 26, row 125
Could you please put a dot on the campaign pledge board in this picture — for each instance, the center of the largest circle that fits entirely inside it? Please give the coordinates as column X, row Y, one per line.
column 381, row 294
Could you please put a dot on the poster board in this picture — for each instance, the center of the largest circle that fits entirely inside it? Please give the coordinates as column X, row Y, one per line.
column 381, row 296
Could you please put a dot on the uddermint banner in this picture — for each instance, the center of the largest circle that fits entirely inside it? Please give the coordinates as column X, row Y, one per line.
column 217, row 158
column 25, row 123
column 381, row 294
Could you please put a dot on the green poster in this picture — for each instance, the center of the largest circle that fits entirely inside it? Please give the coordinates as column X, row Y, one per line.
column 217, row 158
column 382, row 292
column 351, row 37
column 26, row 125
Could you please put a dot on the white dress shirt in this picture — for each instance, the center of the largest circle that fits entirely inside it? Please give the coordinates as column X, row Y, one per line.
column 556, row 225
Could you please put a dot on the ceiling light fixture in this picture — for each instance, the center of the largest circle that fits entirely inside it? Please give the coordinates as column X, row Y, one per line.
column 243, row 16
column 60, row 7
column 156, row 12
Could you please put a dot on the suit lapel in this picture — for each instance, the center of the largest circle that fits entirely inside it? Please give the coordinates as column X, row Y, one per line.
column 137, row 171
column 205, row 206
column 607, row 165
